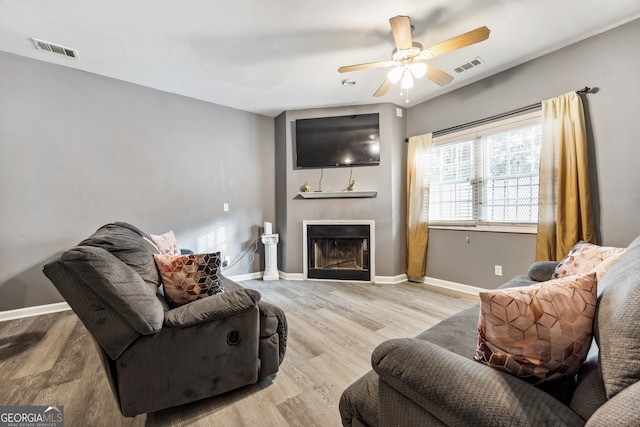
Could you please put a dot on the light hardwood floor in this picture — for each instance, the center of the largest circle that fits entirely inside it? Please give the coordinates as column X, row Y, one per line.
column 333, row 328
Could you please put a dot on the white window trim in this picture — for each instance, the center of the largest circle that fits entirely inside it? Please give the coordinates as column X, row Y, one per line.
column 498, row 228
column 520, row 120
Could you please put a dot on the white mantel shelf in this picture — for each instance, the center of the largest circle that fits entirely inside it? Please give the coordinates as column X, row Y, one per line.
column 359, row 194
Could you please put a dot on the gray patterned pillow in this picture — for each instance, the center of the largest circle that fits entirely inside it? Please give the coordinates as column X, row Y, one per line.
column 617, row 319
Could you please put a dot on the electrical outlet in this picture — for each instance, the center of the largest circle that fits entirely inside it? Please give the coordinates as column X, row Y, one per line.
column 498, row 270
column 225, row 207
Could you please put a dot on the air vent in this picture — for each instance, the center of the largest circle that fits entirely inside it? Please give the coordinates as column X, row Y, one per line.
column 469, row 65
column 55, row 48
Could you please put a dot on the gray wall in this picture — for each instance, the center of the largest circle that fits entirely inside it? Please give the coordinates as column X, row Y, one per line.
column 387, row 209
column 78, row 150
column 610, row 62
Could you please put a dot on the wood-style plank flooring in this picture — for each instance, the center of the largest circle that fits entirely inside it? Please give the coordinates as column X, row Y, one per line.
column 333, row 328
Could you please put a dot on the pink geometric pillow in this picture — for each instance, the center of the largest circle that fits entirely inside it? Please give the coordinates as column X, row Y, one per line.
column 605, row 265
column 187, row 278
column 166, row 243
column 583, row 257
column 540, row 332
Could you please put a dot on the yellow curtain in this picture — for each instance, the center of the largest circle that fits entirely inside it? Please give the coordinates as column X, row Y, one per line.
column 565, row 213
column 418, row 159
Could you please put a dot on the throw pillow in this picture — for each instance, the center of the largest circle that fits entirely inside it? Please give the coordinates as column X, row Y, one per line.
column 540, row 332
column 605, row 265
column 617, row 319
column 166, row 243
column 187, row 278
column 582, row 258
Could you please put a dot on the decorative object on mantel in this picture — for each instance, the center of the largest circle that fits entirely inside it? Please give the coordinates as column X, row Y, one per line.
column 306, row 188
column 355, row 194
column 352, row 185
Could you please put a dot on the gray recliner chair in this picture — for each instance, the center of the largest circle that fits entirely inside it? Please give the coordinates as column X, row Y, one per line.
column 156, row 357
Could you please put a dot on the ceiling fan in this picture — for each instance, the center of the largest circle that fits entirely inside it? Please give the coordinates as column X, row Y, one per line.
column 408, row 56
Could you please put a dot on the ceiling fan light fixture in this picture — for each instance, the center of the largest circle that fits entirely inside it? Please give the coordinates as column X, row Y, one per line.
column 407, row 57
column 407, row 80
column 395, row 74
column 418, row 69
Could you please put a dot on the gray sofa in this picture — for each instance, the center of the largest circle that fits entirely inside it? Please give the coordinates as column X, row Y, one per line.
column 433, row 379
column 155, row 356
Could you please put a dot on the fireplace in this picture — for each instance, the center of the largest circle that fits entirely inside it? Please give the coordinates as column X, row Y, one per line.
column 338, row 250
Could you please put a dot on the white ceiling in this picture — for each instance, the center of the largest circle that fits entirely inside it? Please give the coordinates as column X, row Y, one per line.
column 268, row 56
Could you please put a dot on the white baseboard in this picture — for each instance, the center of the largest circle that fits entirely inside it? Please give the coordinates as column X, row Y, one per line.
column 291, row 276
column 248, row 276
column 471, row 290
column 390, row 280
column 37, row 310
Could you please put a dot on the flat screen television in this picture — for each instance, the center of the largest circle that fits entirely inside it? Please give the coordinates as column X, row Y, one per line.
column 338, row 141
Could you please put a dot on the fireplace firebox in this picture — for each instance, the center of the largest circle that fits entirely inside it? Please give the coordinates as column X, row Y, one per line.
column 338, row 251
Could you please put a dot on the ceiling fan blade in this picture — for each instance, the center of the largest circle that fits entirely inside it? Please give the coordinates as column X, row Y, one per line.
column 466, row 39
column 401, row 30
column 365, row 66
column 438, row 76
column 384, row 87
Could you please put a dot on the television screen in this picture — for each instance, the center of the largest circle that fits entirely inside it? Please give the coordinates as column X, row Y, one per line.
column 338, row 141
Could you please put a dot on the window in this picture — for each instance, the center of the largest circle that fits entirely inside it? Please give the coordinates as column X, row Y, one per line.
column 487, row 175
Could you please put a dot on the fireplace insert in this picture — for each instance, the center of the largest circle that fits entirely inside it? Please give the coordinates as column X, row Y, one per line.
column 338, row 251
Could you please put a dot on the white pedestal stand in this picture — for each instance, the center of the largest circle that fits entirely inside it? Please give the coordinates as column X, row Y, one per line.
column 270, row 242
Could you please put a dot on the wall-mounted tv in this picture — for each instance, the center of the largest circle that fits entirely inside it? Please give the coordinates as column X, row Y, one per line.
column 338, row 141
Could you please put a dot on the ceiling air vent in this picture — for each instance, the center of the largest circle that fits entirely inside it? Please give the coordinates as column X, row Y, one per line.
column 469, row 65
column 55, row 48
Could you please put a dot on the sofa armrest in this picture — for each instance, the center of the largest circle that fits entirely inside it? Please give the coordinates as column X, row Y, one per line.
column 273, row 337
column 212, row 308
column 461, row 391
column 542, row 271
column 621, row 410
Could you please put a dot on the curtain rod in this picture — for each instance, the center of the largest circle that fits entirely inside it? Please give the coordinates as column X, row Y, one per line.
column 582, row 91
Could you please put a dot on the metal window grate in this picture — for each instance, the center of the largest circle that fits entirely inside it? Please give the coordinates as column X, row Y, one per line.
column 511, row 167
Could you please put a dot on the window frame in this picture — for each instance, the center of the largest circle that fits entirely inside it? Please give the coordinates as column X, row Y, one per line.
column 473, row 133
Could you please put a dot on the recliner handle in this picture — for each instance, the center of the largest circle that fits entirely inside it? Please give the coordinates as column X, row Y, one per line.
column 233, row 338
